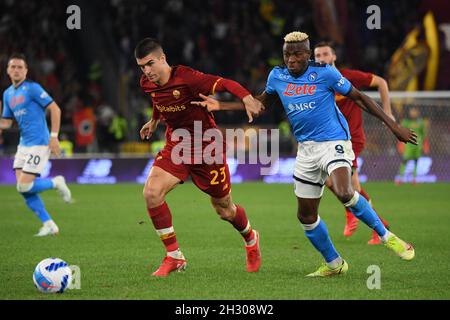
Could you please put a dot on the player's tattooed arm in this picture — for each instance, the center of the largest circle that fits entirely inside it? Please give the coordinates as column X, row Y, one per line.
column 367, row 104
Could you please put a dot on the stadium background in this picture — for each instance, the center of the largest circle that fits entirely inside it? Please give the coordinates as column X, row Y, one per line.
column 91, row 73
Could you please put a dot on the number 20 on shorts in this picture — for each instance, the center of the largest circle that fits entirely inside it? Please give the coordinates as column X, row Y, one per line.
column 216, row 174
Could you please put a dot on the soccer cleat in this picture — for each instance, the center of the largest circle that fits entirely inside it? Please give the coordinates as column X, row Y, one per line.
column 62, row 188
column 351, row 224
column 375, row 238
column 401, row 248
column 48, row 229
column 168, row 265
column 253, row 258
column 325, row 271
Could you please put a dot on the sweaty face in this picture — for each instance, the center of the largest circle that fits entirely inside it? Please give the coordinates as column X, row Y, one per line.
column 324, row 55
column 296, row 56
column 17, row 70
column 152, row 65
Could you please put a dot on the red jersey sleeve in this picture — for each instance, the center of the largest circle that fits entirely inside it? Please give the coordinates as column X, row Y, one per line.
column 359, row 79
column 207, row 84
column 199, row 82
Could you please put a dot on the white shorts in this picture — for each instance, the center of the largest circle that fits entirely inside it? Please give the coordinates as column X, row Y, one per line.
column 31, row 159
column 314, row 163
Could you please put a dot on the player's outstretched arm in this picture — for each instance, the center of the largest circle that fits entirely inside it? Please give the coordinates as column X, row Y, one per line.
column 55, row 118
column 367, row 104
column 147, row 129
column 212, row 104
column 5, row 123
column 253, row 107
column 383, row 89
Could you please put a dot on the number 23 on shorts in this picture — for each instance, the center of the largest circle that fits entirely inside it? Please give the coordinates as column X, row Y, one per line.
column 216, row 174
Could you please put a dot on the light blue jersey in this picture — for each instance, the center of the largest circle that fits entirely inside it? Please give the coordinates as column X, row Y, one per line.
column 27, row 104
column 309, row 101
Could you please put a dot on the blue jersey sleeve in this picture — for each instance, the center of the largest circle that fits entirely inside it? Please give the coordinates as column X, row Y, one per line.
column 270, row 85
column 337, row 82
column 6, row 113
column 40, row 96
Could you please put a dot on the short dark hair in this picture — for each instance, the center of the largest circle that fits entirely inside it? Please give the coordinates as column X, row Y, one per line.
column 145, row 47
column 19, row 56
column 326, row 44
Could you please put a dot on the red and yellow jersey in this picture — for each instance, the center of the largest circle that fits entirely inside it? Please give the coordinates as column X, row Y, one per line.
column 172, row 101
column 350, row 110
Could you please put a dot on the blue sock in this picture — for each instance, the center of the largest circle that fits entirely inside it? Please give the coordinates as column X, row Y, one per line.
column 364, row 212
column 34, row 202
column 317, row 233
column 40, row 185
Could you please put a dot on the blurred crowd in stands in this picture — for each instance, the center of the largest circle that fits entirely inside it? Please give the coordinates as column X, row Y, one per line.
column 241, row 40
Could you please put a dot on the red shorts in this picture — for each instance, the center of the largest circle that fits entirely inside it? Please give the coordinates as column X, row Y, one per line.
column 357, row 149
column 213, row 179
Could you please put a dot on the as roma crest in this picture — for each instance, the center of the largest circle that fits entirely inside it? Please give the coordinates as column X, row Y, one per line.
column 176, row 94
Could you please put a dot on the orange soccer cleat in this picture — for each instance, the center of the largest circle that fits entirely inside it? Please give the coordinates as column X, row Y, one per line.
column 168, row 265
column 253, row 255
column 351, row 225
column 375, row 238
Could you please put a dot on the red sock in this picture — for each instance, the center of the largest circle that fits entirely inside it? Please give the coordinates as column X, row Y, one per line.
column 162, row 221
column 365, row 195
column 241, row 224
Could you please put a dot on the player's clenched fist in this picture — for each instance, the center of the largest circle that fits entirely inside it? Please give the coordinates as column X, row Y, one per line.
column 148, row 129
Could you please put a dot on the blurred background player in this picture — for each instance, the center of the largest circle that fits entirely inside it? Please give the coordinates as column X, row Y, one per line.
column 26, row 102
column 412, row 152
column 306, row 90
column 324, row 52
column 172, row 89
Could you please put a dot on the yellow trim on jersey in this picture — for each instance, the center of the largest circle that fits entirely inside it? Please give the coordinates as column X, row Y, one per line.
column 213, row 91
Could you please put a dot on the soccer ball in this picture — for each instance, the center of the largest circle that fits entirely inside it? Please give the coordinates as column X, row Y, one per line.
column 52, row 275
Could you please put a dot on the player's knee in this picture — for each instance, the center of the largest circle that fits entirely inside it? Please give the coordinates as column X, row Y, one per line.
column 306, row 216
column 153, row 196
column 345, row 195
column 24, row 187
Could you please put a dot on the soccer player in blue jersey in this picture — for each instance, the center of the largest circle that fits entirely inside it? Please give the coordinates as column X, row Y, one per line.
column 306, row 91
column 26, row 102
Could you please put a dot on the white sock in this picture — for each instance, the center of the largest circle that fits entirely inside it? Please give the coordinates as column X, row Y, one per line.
column 50, row 223
column 386, row 236
column 335, row 263
column 177, row 254
column 251, row 242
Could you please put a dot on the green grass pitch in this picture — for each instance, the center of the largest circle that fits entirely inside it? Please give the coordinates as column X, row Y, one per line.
column 108, row 234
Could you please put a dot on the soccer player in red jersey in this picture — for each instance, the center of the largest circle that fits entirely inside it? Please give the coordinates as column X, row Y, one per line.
column 172, row 89
column 324, row 52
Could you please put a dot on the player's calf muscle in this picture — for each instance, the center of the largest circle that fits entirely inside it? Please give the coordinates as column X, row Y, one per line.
column 224, row 207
